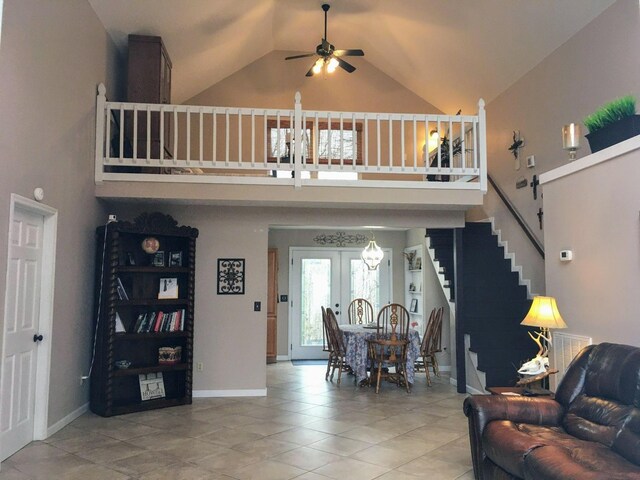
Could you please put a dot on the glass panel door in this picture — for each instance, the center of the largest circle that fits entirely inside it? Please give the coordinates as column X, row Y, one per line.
column 316, row 284
column 330, row 278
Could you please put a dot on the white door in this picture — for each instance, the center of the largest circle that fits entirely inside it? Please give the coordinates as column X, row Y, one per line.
column 21, row 336
column 330, row 278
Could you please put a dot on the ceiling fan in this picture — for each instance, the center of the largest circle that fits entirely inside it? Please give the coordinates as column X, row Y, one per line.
column 329, row 57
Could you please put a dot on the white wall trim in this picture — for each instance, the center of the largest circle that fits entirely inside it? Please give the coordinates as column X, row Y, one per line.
column 583, row 163
column 282, row 358
column 258, row 392
column 60, row 424
column 471, row 390
column 45, row 321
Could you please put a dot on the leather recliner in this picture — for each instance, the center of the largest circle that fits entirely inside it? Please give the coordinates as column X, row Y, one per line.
column 589, row 431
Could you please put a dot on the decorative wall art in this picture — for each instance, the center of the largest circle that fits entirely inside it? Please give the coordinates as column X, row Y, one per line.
column 231, row 276
column 340, row 239
column 518, row 143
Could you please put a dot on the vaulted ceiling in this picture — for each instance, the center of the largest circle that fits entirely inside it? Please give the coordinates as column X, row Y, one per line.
column 449, row 52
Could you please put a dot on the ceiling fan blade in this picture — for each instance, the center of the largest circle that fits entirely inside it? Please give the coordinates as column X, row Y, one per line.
column 349, row 53
column 305, row 55
column 310, row 72
column 346, row 66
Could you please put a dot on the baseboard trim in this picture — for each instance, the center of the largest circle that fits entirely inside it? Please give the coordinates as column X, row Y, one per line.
column 471, row 390
column 282, row 358
column 60, row 424
column 258, row 392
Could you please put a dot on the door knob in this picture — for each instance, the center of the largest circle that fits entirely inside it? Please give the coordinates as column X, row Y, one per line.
column 37, row 338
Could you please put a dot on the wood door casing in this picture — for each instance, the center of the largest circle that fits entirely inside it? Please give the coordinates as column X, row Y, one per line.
column 272, row 305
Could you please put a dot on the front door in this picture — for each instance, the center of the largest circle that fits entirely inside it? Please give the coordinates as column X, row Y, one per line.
column 24, row 272
column 329, row 278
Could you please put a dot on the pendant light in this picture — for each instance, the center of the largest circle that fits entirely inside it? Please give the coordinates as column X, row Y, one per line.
column 372, row 254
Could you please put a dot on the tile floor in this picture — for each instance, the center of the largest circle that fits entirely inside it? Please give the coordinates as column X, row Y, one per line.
column 305, row 428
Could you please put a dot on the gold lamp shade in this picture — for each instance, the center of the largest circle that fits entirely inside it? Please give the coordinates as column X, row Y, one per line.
column 544, row 313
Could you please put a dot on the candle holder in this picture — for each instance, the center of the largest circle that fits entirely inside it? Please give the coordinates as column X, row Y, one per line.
column 571, row 139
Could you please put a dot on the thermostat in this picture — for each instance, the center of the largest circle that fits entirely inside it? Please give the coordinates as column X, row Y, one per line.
column 566, row 255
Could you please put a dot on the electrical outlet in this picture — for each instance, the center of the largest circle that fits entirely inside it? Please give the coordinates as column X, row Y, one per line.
column 199, row 366
column 257, row 306
column 284, row 298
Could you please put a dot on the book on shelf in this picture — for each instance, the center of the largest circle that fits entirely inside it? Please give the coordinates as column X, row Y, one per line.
column 160, row 322
column 151, row 386
column 122, row 293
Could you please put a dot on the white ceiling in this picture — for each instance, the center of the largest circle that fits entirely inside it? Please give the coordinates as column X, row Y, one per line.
column 449, row 52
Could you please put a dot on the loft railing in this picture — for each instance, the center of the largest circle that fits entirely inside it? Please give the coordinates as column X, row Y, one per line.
column 205, row 144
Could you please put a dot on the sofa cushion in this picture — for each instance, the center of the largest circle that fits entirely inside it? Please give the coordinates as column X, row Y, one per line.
column 586, row 461
column 596, row 419
column 506, row 445
column 627, row 443
column 612, row 373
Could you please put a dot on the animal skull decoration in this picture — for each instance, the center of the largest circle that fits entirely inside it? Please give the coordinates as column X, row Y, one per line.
column 540, row 363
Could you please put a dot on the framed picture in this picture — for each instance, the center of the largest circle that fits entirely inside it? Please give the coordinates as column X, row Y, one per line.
column 151, row 386
column 418, row 264
column 168, row 288
column 158, row 258
column 412, row 287
column 175, row 259
column 414, row 305
column 231, row 276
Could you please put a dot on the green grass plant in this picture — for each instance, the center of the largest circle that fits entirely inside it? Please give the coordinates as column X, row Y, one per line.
column 611, row 113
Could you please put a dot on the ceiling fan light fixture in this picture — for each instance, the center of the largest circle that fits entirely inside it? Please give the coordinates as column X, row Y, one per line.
column 317, row 67
column 332, row 65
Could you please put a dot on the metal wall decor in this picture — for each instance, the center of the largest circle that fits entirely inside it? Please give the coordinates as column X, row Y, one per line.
column 231, row 276
column 340, row 239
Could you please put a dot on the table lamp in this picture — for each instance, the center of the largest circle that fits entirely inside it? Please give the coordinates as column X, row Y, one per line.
column 545, row 315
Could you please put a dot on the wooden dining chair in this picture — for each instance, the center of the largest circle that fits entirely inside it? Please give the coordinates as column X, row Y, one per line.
column 389, row 347
column 431, row 344
column 360, row 312
column 338, row 351
column 326, row 344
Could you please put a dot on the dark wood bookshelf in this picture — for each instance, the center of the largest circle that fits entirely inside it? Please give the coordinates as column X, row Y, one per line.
column 123, row 265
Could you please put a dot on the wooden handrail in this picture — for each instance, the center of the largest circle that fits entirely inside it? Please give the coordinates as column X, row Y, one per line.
column 527, row 230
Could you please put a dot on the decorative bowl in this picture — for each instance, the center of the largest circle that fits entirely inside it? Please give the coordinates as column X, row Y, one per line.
column 122, row 364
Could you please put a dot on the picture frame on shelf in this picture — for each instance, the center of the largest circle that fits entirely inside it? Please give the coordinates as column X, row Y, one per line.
column 122, row 293
column 175, row 259
column 414, row 305
column 158, row 259
column 130, row 260
column 418, row 264
column 168, row 288
column 412, row 287
column 151, row 386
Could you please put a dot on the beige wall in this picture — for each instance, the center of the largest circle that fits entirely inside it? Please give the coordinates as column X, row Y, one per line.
column 226, row 325
column 595, row 213
column 52, row 56
column 598, row 64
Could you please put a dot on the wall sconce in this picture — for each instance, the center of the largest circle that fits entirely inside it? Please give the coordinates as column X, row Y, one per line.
column 571, row 139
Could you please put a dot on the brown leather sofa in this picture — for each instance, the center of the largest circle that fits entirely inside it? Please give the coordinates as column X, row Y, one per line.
column 589, row 431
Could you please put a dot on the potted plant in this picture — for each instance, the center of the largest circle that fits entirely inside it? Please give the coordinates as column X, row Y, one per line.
column 612, row 123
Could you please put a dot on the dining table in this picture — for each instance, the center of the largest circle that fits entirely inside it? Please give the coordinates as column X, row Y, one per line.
column 355, row 341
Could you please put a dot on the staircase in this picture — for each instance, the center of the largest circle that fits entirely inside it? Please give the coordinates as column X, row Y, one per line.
column 495, row 301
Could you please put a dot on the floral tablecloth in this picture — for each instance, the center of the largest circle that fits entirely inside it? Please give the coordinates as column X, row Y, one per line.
column 355, row 341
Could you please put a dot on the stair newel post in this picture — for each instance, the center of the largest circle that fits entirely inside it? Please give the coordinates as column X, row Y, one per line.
column 458, row 262
column 482, row 145
column 297, row 142
column 101, row 101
